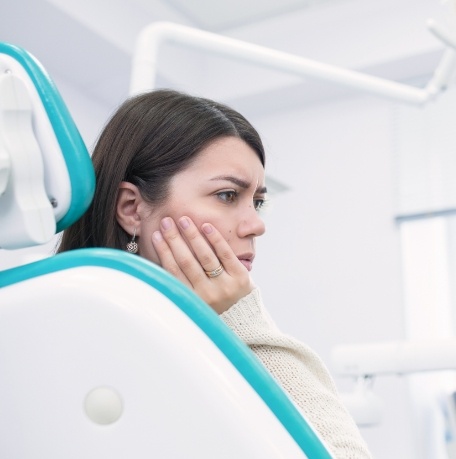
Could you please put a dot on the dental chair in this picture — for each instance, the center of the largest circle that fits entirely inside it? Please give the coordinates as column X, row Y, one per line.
column 103, row 354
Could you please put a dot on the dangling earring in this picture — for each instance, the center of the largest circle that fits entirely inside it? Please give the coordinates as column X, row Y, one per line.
column 132, row 246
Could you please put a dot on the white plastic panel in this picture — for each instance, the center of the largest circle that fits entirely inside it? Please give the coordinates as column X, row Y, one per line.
column 26, row 213
column 65, row 334
column 57, row 183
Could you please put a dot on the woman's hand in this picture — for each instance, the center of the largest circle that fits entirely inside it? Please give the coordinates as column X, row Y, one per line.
column 191, row 257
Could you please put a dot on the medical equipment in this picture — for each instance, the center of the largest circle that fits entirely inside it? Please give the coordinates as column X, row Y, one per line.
column 397, row 358
column 34, row 206
column 366, row 361
column 102, row 353
column 152, row 37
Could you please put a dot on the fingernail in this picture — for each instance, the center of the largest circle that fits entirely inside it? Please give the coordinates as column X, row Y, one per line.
column 207, row 228
column 184, row 223
column 166, row 223
column 157, row 236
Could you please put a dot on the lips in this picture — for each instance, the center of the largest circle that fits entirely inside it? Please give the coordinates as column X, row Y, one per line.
column 247, row 261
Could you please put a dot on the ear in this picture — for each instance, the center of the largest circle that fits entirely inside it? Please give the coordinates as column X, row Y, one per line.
column 129, row 200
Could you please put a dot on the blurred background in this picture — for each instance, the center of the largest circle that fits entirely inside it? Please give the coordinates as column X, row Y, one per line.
column 361, row 234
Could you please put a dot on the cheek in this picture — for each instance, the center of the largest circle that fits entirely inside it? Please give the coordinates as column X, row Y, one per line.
column 227, row 231
column 146, row 247
column 218, row 222
column 147, row 250
column 148, row 226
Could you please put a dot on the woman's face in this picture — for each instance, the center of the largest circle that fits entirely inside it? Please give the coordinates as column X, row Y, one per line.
column 224, row 186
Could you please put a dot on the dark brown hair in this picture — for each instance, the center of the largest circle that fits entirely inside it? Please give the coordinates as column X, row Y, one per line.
column 149, row 139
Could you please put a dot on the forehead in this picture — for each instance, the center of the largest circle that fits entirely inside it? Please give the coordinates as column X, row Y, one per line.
column 229, row 155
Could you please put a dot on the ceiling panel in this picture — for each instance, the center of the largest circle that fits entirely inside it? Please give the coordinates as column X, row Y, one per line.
column 77, row 41
column 218, row 15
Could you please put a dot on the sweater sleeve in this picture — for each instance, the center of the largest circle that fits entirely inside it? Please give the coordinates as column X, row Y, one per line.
column 302, row 374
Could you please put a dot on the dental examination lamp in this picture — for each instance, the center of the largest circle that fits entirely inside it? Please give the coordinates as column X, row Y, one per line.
column 102, row 353
column 152, row 37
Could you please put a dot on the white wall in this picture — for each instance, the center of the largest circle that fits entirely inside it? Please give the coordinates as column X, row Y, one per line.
column 329, row 265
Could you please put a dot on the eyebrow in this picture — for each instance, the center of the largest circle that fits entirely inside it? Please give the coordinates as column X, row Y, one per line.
column 239, row 182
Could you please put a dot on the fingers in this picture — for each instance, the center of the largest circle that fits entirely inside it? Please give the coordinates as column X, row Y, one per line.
column 203, row 252
column 184, row 248
column 190, row 254
column 217, row 252
column 166, row 257
column 185, row 255
column 174, row 253
column 222, row 249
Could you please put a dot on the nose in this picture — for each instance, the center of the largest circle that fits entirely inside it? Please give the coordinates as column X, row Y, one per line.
column 251, row 224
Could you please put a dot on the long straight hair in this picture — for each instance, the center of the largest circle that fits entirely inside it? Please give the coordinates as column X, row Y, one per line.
column 149, row 139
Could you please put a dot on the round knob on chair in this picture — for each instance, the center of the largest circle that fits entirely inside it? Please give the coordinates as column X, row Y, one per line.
column 103, row 405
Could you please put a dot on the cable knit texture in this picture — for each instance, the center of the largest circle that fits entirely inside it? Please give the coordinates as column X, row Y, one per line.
column 302, row 374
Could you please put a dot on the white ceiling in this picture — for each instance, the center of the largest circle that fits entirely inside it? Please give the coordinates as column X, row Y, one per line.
column 89, row 43
column 221, row 15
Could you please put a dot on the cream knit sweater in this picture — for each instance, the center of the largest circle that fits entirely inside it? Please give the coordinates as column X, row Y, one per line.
column 301, row 373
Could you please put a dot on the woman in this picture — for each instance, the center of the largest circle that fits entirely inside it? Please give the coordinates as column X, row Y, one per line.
column 180, row 181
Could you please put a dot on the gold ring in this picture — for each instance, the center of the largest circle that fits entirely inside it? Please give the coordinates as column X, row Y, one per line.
column 215, row 273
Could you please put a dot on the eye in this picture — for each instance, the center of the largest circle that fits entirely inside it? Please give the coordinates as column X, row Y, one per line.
column 259, row 203
column 228, row 196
